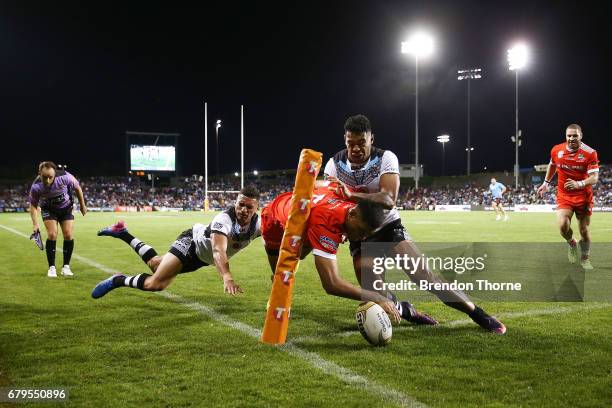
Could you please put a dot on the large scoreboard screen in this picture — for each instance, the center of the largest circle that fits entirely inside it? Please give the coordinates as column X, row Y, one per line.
column 152, row 158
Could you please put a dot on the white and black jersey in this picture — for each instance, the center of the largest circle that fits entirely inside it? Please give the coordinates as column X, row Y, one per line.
column 365, row 179
column 238, row 237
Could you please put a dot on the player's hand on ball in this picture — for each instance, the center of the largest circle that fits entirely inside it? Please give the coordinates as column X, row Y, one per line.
column 391, row 310
column 230, row 287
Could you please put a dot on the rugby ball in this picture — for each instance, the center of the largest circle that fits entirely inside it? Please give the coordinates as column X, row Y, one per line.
column 374, row 324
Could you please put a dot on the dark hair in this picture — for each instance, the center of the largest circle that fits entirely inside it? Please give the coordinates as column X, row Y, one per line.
column 250, row 191
column 575, row 127
column 357, row 124
column 372, row 214
column 46, row 165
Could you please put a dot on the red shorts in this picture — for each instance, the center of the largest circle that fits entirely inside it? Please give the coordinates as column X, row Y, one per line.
column 581, row 205
column 272, row 230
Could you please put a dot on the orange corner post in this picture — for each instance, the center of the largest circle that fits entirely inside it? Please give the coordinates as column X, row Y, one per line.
column 279, row 304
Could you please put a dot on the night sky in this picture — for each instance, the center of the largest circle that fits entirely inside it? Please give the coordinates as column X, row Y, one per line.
column 76, row 76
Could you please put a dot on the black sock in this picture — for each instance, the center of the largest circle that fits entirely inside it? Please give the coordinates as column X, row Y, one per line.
column 50, row 247
column 126, row 237
column 143, row 250
column 131, row 281
column 68, row 247
column 477, row 312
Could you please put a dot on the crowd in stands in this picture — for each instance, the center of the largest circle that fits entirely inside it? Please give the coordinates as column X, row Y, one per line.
column 472, row 194
column 188, row 194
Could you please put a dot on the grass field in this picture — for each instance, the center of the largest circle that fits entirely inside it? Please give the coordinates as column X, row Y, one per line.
column 195, row 346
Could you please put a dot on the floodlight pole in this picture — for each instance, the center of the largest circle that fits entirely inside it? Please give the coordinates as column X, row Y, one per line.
column 217, row 126
column 443, row 159
column 241, row 147
column 469, row 143
column 516, row 134
column 416, row 124
column 205, row 152
column 469, row 75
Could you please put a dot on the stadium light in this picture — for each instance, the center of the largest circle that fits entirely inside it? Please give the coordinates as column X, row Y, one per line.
column 443, row 139
column 420, row 44
column 255, row 172
column 236, row 174
column 517, row 60
column 517, row 57
column 468, row 75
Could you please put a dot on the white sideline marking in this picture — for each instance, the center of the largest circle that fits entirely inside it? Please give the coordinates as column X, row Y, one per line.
column 314, row 359
column 14, row 231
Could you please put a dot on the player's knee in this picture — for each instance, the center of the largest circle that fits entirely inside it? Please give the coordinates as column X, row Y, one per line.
column 52, row 236
column 564, row 224
column 68, row 236
column 154, row 262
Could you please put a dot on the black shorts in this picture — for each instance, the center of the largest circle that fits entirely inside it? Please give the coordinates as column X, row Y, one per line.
column 58, row 215
column 497, row 201
column 185, row 250
column 392, row 232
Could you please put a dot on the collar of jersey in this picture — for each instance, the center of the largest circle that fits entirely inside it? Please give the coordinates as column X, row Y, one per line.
column 364, row 167
column 570, row 150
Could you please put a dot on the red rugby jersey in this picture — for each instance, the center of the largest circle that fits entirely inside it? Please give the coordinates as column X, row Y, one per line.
column 576, row 165
column 325, row 229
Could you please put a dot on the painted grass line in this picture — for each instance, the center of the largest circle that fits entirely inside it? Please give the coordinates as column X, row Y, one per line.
column 467, row 322
column 315, row 360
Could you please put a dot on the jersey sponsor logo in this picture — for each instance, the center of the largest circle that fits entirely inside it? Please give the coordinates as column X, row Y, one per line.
column 218, row 225
column 182, row 245
column 58, row 199
column 571, row 167
column 328, row 243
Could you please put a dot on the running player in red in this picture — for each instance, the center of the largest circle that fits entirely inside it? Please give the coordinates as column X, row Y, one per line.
column 577, row 167
column 331, row 219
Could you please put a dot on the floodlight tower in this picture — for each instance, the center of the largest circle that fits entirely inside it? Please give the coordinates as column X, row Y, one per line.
column 469, row 75
column 517, row 60
column 443, row 139
column 420, row 45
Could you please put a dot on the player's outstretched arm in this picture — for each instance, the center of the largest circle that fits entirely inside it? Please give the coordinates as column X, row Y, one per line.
column 81, row 198
column 34, row 216
column 334, row 285
column 382, row 198
column 550, row 173
column 219, row 249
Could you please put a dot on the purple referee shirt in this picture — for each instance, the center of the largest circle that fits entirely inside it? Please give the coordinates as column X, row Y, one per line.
column 58, row 196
